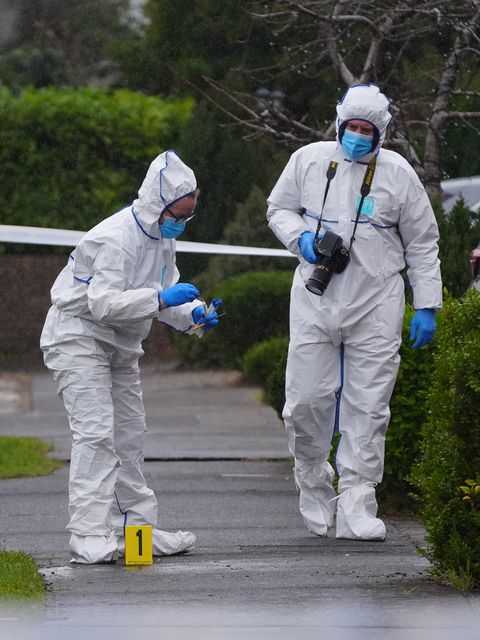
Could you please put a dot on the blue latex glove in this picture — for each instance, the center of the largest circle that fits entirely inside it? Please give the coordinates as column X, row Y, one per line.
column 305, row 242
column 209, row 321
column 178, row 294
column 422, row 327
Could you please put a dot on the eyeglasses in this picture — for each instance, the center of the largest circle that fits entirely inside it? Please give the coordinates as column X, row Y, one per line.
column 180, row 219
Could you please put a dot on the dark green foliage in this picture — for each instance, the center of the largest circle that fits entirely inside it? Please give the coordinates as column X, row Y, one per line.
column 185, row 40
column 263, row 358
column 247, row 228
column 459, row 234
column 256, row 306
column 460, row 144
column 69, row 158
column 34, row 65
column 226, row 167
column 275, row 382
column 264, row 364
column 64, row 43
column 408, row 413
column 450, row 450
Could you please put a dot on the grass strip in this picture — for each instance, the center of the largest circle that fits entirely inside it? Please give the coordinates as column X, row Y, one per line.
column 19, row 577
column 22, row 457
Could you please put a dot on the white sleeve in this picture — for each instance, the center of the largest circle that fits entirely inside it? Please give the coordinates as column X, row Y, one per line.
column 284, row 206
column 419, row 232
column 109, row 300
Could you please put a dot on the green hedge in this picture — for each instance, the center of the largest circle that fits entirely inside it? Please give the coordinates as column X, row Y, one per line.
column 408, row 413
column 262, row 359
column 450, row 450
column 70, row 157
column 256, row 305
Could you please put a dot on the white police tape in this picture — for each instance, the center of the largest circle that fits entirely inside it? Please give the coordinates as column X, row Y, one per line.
column 67, row 238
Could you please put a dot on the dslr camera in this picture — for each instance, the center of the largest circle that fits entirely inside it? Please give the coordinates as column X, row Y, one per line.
column 333, row 258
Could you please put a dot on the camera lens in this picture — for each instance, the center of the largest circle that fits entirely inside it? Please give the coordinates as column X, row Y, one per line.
column 318, row 281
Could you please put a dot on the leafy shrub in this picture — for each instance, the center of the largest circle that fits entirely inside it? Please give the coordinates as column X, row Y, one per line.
column 262, row 359
column 256, row 306
column 408, row 413
column 71, row 157
column 459, row 233
column 265, row 364
column 450, row 449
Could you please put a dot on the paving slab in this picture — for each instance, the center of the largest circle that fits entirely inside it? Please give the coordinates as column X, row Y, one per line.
column 218, row 463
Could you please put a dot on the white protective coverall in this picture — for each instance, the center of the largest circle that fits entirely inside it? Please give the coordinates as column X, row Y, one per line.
column 104, row 301
column 352, row 333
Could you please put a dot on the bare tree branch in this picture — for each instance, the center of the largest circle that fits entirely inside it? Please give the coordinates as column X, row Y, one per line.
column 440, row 111
column 467, row 94
column 368, row 41
column 462, row 114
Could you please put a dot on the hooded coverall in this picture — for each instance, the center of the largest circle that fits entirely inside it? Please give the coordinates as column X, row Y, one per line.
column 353, row 332
column 103, row 303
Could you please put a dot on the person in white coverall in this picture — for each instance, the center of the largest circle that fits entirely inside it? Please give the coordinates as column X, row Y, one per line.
column 343, row 354
column 121, row 275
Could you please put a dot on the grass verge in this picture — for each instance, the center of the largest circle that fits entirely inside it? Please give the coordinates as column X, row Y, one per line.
column 19, row 577
column 22, row 457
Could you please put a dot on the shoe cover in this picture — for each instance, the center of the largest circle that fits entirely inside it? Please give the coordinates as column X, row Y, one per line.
column 314, row 481
column 93, row 549
column 356, row 514
column 165, row 543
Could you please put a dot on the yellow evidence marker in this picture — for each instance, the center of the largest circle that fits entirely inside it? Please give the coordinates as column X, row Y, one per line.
column 138, row 544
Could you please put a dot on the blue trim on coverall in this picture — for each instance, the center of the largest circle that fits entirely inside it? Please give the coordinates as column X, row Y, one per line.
column 338, row 395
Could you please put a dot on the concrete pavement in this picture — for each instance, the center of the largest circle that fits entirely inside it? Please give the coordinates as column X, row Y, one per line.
column 217, row 460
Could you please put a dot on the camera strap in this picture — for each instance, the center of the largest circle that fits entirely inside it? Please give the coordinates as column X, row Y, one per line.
column 364, row 191
column 331, row 171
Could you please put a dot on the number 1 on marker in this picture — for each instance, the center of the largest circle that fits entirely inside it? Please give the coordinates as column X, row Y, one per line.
column 138, row 544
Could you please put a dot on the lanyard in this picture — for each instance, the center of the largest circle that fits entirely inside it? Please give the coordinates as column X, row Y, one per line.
column 364, row 191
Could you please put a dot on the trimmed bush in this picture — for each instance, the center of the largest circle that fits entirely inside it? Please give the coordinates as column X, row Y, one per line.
column 408, row 413
column 71, row 157
column 256, row 305
column 275, row 382
column 261, row 360
column 450, row 449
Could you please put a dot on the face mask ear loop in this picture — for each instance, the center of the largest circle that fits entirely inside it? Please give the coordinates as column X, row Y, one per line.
column 331, row 171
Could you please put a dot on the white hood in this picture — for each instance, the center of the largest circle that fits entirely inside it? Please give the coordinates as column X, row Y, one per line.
column 364, row 102
column 168, row 179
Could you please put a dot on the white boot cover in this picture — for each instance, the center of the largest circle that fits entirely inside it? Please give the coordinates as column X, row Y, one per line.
column 165, row 543
column 314, row 481
column 93, row 549
column 356, row 514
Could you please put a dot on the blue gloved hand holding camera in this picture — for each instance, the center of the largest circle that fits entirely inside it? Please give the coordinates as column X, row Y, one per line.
column 305, row 243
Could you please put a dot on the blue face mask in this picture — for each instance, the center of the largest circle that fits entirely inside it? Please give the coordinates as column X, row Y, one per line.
column 356, row 145
column 171, row 229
